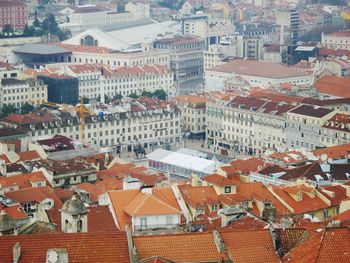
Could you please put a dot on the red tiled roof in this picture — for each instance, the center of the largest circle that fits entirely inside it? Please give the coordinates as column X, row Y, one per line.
column 334, row 86
column 219, row 180
column 258, row 68
column 330, row 245
column 307, row 204
column 94, row 190
column 334, row 152
column 146, row 204
column 200, row 196
column 100, row 219
column 35, row 194
column 81, row 247
column 14, row 211
column 119, row 200
column 22, row 180
column 337, row 195
column 194, row 247
column 250, row 246
column 29, row 155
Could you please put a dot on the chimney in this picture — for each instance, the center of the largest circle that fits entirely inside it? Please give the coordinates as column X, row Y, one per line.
column 16, row 252
column 194, row 180
column 57, row 255
column 220, row 245
column 146, row 189
column 132, row 249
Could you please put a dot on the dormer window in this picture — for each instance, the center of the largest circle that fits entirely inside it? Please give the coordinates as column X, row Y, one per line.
column 214, row 207
column 227, row 189
column 299, row 196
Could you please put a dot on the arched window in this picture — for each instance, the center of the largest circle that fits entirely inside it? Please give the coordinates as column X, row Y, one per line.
column 67, row 226
column 79, row 225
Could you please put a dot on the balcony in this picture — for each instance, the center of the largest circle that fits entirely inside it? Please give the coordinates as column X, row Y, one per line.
column 154, row 227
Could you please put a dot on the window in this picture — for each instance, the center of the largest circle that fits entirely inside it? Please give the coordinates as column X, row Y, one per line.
column 227, row 189
column 214, row 207
column 79, row 225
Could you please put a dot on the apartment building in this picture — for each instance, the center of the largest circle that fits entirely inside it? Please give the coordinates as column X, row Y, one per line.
column 248, row 124
column 145, row 121
column 186, row 60
column 94, row 54
column 17, row 92
column 14, row 13
column 193, row 114
column 97, row 81
column 256, row 73
column 336, row 40
column 336, row 130
column 135, row 80
column 304, row 124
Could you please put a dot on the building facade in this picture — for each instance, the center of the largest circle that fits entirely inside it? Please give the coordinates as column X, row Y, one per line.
column 186, row 61
column 13, row 13
column 17, row 92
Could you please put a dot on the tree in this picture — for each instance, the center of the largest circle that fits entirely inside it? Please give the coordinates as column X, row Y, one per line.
column 8, row 109
column 118, row 96
column 28, row 31
column 147, row 94
column 133, row 95
column 85, row 100
column 7, row 30
column 160, row 94
column 36, row 22
column 26, row 108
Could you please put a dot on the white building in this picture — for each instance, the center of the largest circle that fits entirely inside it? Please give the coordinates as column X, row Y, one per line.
column 126, row 37
column 92, row 54
column 17, row 92
column 336, row 40
column 79, row 18
column 257, row 73
column 143, row 121
column 304, row 126
column 247, row 124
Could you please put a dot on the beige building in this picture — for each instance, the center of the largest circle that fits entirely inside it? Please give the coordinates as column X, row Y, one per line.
column 337, row 40
column 304, row 124
column 17, row 92
column 193, row 114
column 248, row 124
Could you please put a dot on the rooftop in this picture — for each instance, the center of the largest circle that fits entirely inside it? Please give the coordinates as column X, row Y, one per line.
column 311, row 111
column 41, row 49
column 259, row 69
column 81, row 247
column 334, row 86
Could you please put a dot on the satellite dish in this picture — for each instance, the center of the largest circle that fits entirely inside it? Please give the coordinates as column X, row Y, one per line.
column 324, row 157
column 52, row 256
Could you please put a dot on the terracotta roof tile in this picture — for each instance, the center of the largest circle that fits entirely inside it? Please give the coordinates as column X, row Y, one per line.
column 194, row 247
column 307, row 204
column 334, row 86
column 14, row 211
column 81, row 247
column 250, row 246
column 219, row 180
column 334, row 152
column 29, row 155
column 147, row 204
column 199, row 197
column 119, row 200
column 35, row 194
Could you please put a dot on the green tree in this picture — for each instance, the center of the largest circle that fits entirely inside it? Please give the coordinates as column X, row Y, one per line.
column 147, row 94
column 160, row 94
column 133, row 95
column 8, row 109
column 7, row 30
column 26, row 108
column 28, row 31
column 118, row 96
column 36, row 22
column 86, row 100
